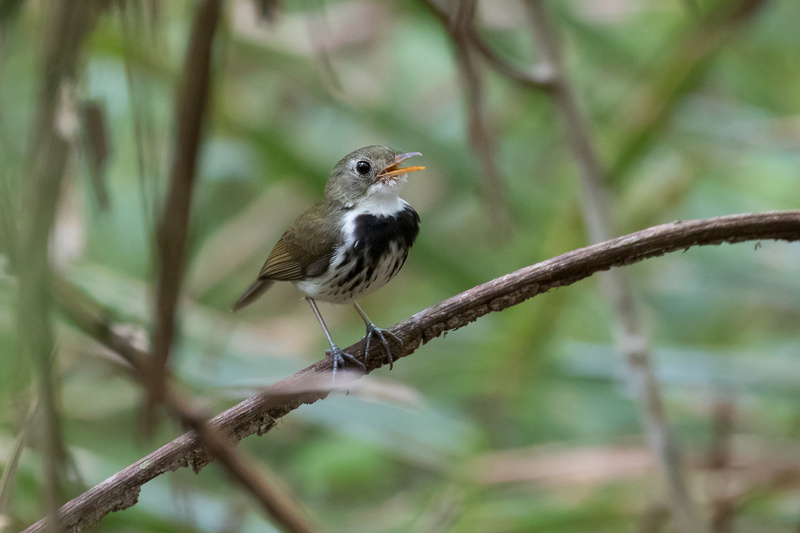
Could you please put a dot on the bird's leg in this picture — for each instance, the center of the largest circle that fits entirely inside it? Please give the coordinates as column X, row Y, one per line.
column 372, row 329
column 339, row 356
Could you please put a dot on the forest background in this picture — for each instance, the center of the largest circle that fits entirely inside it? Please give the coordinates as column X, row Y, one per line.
column 657, row 397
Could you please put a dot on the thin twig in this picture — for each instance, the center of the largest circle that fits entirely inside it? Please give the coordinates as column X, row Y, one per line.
column 133, row 17
column 599, row 226
column 91, row 318
column 539, row 78
column 11, row 464
column 259, row 414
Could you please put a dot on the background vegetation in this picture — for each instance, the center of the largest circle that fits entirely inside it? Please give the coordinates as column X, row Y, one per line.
column 523, row 421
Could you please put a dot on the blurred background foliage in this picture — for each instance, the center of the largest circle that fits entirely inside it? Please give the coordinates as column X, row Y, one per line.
column 522, row 421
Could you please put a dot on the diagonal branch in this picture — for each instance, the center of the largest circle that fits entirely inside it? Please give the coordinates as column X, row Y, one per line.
column 274, row 497
column 259, row 414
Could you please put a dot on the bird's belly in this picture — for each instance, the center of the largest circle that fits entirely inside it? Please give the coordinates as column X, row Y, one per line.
column 355, row 273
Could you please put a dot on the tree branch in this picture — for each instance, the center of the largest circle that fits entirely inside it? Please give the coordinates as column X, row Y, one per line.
column 259, row 414
column 274, row 496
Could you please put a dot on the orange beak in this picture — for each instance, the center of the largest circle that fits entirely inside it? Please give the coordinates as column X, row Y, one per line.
column 392, row 171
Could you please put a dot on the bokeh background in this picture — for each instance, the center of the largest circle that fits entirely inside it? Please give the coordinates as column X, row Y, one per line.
column 522, row 421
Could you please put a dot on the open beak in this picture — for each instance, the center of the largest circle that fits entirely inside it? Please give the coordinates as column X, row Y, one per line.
column 392, row 172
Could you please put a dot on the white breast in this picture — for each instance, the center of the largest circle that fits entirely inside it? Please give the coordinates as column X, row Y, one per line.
column 349, row 275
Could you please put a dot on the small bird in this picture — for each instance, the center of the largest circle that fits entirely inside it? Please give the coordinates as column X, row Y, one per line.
column 349, row 244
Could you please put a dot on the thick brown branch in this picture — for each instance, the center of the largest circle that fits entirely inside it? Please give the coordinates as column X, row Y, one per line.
column 259, row 413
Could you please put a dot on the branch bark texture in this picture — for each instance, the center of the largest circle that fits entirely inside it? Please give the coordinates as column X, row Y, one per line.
column 259, row 414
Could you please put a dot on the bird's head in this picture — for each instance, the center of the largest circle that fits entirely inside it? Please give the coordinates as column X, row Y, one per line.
column 368, row 173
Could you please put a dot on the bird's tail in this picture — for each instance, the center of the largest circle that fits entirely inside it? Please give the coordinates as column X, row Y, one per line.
column 252, row 293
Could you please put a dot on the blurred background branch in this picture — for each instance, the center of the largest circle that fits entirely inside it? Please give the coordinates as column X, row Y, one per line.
column 173, row 229
column 52, row 140
column 597, row 219
column 482, row 138
column 96, row 322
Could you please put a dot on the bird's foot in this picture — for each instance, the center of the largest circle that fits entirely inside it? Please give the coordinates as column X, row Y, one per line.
column 373, row 330
column 340, row 357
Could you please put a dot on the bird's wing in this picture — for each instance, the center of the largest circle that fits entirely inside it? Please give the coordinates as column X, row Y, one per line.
column 304, row 250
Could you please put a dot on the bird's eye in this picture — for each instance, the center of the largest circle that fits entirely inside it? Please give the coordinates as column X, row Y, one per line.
column 363, row 167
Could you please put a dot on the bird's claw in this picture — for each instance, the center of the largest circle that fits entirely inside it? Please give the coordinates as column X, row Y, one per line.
column 372, row 329
column 340, row 357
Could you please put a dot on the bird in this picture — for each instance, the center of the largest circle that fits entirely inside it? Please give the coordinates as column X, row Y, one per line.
column 349, row 244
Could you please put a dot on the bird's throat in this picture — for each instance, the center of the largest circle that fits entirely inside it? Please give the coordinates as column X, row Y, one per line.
column 380, row 202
